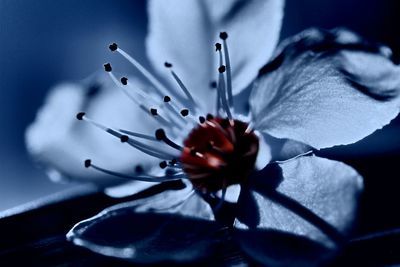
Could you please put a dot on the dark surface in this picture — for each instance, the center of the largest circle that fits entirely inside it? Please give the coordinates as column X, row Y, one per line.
column 34, row 235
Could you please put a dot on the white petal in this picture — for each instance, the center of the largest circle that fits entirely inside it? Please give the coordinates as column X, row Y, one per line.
column 184, row 33
column 171, row 226
column 59, row 141
column 308, row 197
column 325, row 89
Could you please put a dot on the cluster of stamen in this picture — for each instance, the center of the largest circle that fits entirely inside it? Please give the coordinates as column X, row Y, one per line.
column 219, row 151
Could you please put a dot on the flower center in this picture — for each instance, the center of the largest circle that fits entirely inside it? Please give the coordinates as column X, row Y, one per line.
column 218, row 153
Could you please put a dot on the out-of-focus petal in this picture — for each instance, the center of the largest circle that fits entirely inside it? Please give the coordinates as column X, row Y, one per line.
column 57, row 140
column 325, row 89
column 184, row 33
column 171, row 226
column 307, row 197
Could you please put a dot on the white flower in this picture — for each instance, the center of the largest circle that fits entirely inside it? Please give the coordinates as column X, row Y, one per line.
column 318, row 90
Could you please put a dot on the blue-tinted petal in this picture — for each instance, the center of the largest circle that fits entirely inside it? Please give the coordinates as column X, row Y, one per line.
column 307, row 197
column 184, row 33
column 171, row 226
column 326, row 89
column 61, row 143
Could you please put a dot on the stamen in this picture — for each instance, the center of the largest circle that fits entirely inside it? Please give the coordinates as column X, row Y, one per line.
column 88, row 163
column 80, row 115
column 167, row 65
column 113, row 47
column 216, row 125
column 158, row 86
column 194, row 153
column 161, row 119
column 139, row 135
column 107, row 67
column 249, row 128
column 219, row 102
column 163, row 164
column 181, row 84
column 145, row 95
column 152, row 151
column 222, row 92
column 160, row 135
column 224, row 36
column 202, row 119
column 153, row 112
column 124, row 79
column 174, row 114
column 211, row 146
column 184, row 112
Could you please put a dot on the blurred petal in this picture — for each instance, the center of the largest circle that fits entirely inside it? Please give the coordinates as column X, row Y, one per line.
column 61, row 143
column 325, row 89
column 171, row 226
column 184, row 33
column 307, row 197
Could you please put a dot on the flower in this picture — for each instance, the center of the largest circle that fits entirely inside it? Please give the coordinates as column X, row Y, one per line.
column 319, row 89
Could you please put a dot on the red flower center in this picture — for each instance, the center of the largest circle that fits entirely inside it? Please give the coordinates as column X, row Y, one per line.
column 218, row 153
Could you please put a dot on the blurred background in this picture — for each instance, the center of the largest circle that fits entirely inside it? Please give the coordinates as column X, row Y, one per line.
column 45, row 42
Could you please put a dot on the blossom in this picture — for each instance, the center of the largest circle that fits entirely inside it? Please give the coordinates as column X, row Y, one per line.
column 319, row 89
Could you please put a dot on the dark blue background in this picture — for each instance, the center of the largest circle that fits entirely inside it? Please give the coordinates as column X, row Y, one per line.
column 45, row 42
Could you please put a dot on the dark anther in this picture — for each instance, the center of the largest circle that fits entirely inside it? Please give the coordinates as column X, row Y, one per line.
column 80, row 115
column 163, row 164
column 184, row 112
column 153, row 111
column 160, row 134
column 124, row 138
column 88, row 162
column 167, row 65
column 209, row 117
column 223, row 35
column 107, row 67
column 221, row 69
column 213, row 84
column 113, row 47
column 167, row 99
column 218, row 47
column 202, row 119
column 124, row 80
column 173, row 161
